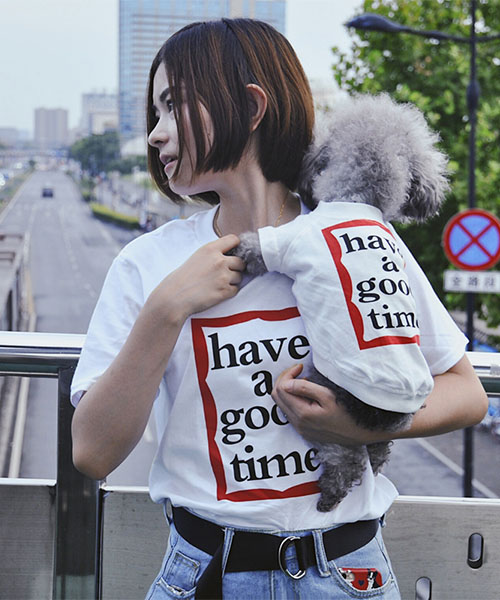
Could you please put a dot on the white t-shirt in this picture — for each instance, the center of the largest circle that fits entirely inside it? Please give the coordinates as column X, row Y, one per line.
column 225, row 450
column 353, row 294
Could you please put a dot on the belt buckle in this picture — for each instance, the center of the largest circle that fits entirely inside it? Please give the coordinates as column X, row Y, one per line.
column 281, row 558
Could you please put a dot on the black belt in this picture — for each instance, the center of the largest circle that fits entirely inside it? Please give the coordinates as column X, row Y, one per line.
column 262, row 551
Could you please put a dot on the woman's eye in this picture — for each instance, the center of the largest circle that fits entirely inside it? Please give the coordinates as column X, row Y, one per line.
column 169, row 104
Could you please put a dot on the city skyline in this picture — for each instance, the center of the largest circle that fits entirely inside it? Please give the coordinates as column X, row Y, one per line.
column 144, row 26
column 51, row 128
column 51, row 66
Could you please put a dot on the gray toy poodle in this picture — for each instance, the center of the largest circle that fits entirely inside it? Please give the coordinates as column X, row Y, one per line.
column 372, row 161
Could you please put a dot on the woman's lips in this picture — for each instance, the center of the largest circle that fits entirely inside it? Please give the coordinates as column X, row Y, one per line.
column 170, row 166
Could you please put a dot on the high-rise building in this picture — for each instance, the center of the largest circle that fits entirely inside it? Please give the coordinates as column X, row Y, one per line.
column 9, row 136
column 99, row 113
column 51, row 128
column 146, row 24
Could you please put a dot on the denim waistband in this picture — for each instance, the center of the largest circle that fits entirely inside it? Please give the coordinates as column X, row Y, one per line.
column 251, row 551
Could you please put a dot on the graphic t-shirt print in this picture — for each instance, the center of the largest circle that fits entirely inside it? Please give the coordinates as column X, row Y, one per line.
column 251, row 455
column 380, row 304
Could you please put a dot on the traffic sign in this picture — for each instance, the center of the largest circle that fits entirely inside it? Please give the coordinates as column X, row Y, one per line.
column 471, row 239
column 485, row 282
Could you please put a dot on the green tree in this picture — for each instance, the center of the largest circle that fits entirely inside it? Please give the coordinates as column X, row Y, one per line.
column 434, row 76
column 96, row 153
column 127, row 164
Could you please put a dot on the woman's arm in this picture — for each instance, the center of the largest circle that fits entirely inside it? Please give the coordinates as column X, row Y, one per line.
column 457, row 400
column 111, row 417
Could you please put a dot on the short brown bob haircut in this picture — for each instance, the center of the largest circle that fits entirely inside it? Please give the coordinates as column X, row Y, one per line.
column 212, row 63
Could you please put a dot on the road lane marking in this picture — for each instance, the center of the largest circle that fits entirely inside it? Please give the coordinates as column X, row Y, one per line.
column 90, row 290
column 105, row 233
column 62, row 215
column 23, row 393
column 20, row 423
column 454, row 467
column 13, row 200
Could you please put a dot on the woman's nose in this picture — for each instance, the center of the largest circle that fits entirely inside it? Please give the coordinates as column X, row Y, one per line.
column 158, row 135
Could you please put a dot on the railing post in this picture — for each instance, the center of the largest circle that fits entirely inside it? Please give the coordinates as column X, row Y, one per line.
column 76, row 541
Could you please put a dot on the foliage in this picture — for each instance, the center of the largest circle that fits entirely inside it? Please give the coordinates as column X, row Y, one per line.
column 107, row 214
column 97, row 153
column 434, row 76
column 8, row 190
column 87, row 189
column 127, row 164
column 101, row 154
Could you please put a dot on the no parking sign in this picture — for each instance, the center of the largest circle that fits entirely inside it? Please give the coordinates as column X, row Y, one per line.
column 471, row 239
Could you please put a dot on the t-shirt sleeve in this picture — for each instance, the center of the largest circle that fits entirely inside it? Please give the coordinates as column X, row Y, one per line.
column 116, row 310
column 276, row 241
column 441, row 341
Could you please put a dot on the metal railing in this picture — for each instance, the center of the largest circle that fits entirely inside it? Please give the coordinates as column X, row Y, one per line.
column 78, row 524
column 76, row 542
column 12, row 260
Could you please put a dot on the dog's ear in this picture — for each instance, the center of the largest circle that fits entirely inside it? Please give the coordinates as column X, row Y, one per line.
column 314, row 162
column 428, row 173
column 427, row 189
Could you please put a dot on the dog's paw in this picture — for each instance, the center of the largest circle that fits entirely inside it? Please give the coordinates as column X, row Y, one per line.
column 249, row 250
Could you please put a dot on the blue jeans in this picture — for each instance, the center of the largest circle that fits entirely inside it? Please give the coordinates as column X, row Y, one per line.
column 183, row 565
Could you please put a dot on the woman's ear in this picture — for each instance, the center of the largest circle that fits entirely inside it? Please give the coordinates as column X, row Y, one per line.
column 257, row 99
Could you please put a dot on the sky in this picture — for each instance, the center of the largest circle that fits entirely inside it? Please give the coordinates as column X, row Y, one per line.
column 53, row 51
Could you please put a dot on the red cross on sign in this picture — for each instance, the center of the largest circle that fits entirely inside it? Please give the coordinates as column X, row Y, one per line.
column 471, row 239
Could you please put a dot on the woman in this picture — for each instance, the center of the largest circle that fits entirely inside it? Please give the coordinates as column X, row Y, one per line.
column 179, row 326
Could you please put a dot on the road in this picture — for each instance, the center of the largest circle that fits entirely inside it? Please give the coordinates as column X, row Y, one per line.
column 70, row 253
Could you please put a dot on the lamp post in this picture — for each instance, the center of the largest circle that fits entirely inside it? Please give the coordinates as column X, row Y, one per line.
column 374, row 22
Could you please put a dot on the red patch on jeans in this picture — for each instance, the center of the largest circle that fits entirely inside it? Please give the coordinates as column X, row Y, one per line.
column 362, row 579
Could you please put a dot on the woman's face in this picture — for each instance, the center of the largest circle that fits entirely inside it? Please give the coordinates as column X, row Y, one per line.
column 165, row 138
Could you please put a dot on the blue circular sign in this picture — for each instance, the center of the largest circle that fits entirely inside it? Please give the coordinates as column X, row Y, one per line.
column 471, row 239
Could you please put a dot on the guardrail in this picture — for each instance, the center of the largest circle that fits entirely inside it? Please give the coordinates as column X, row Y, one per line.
column 12, row 257
column 78, row 538
column 76, row 542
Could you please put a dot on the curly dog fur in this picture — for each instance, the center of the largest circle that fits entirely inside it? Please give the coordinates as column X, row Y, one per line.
column 371, row 150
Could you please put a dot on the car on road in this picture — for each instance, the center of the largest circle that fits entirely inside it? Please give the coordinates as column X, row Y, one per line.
column 47, row 191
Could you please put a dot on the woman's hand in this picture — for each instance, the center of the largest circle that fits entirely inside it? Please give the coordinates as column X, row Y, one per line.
column 458, row 400
column 316, row 415
column 111, row 417
column 205, row 279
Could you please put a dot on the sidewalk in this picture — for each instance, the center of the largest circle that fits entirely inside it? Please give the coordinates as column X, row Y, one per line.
column 481, row 331
column 418, row 469
column 130, row 198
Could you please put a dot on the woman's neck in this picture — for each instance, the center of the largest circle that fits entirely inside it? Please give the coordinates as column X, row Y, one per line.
column 248, row 201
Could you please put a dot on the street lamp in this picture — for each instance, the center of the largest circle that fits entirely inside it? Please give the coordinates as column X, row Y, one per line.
column 374, row 22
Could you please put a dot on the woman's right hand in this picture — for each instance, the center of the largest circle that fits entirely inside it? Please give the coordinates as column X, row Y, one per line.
column 205, row 279
column 112, row 415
